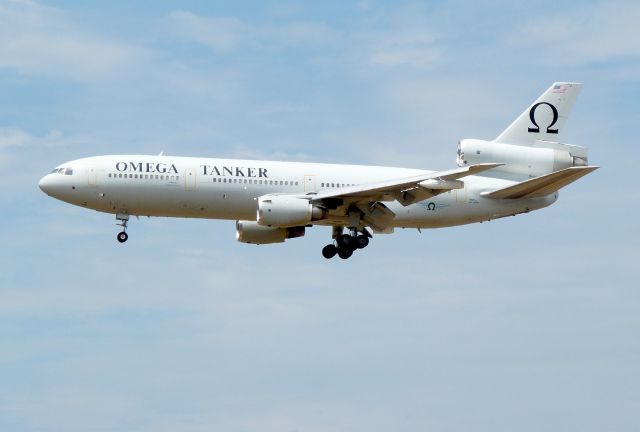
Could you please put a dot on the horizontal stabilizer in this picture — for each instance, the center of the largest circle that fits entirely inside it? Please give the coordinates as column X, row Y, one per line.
column 541, row 186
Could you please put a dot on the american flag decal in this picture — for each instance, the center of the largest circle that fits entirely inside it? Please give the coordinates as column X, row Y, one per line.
column 560, row 88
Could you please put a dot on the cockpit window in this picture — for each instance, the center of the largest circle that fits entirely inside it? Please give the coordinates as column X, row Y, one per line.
column 65, row 171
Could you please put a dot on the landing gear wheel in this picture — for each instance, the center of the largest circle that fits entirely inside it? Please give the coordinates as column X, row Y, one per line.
column 329, row 251
column 345, row 241
column 362, row 241
column 344, row 253
column 122, row 237
column 123, row 219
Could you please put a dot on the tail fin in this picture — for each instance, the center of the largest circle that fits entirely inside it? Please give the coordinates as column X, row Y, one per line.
column 544, row 118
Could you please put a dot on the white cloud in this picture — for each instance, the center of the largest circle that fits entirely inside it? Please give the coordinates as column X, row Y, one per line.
column 221, row 33
column 416, row 57
column 226, row 34
column 401, row 46
column 304, row 33
column 20, row 138
column 596, row 33
column 37, row 40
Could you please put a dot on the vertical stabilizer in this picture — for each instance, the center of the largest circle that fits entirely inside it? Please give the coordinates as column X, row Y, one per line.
column 545, row 118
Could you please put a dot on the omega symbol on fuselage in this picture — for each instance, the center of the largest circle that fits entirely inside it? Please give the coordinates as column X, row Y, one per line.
column 532, row 116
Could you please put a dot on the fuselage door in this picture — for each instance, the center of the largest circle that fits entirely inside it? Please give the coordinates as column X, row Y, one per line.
column 461, row 195
column 93, row 176
column 310, row 183
column 190, row 179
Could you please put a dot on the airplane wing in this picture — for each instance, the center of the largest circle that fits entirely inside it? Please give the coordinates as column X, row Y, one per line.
column 369, row 198
column 541, row 186
column 406, row 190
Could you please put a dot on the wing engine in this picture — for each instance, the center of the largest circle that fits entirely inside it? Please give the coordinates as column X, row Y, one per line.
column 284, row 211
column 251, row 232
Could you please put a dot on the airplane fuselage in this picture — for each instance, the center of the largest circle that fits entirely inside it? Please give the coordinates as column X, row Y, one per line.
column 229, row 189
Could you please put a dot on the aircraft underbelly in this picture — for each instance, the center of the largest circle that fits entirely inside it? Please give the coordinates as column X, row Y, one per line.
column 446, row 210
column 174, row 201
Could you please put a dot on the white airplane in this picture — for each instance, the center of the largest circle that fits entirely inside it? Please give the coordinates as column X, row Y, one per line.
column 519, row 171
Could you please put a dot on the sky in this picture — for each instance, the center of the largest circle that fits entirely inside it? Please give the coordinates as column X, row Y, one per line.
column 528, row 323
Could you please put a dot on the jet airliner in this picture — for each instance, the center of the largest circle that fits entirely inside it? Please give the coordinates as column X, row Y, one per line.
column 519, row 171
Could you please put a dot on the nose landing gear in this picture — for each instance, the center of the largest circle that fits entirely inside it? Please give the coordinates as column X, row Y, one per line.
column 123, row 222
column 346, row 244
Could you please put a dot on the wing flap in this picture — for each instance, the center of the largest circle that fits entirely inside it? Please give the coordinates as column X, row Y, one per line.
column 541, row 186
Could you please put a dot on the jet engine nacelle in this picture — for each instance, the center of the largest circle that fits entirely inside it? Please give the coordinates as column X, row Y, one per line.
column 543, row 158
column 251, row 232
column 284, row 211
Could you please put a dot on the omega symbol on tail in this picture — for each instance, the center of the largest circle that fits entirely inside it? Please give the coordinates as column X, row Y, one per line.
column 532, row 116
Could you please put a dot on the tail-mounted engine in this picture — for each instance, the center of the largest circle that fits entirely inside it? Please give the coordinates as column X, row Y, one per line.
column 544, row 157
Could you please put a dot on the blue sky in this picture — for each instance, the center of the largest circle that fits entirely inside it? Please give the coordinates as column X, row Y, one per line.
column 527, row 323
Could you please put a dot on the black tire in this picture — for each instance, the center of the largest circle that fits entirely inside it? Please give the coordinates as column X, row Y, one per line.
column 344, row 253
column 362, row 241
column 122, row 237
column 329, row 251
column 344, row 241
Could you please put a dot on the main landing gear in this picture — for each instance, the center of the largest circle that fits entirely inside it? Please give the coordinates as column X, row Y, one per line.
column 123, row 222
column 346, row 244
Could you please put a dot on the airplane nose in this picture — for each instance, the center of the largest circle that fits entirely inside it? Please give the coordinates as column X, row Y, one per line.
column 45, row 184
